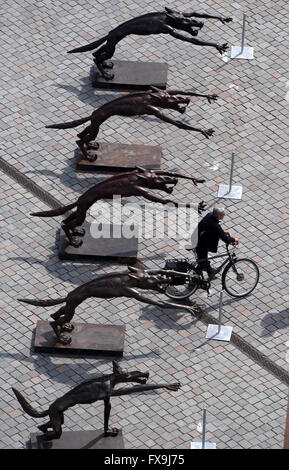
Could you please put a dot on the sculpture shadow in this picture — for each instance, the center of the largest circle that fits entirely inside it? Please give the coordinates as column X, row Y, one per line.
column 64, row 275
column 83, row 180
column 272, row 320
column 166, row 318
column 89, row 95
column 215, row 306
column 44, row 366
column 72, row 374
column 69, row 180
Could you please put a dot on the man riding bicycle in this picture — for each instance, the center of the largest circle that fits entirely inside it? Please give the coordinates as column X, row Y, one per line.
column 240, row 276
column 209, row 233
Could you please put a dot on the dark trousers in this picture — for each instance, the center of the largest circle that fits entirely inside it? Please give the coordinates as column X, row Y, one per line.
column 202, row 253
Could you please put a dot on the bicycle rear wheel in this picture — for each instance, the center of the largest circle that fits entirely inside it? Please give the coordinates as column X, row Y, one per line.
column 240, row 278
column 181, row 291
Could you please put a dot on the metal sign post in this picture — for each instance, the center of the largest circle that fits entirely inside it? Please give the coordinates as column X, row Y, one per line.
column 242, row 52
column 203, row 444
column 219, row 332
column 228, row 190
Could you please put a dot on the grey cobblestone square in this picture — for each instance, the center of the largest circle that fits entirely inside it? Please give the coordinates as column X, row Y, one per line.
column 40, row 84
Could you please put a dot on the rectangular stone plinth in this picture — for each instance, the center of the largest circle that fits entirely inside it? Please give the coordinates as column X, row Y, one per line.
column 133, row 76
column 87, row 339
column 79, row 440
column 121, row 157
column 111, row 248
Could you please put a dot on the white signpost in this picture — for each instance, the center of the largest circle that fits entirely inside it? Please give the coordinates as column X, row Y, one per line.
column 219, row 332
column 203, row 444
column 228, row 191
column 242, row 52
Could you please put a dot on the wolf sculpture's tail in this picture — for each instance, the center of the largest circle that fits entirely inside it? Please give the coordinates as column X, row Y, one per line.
column 89, row 47
column 54, row 212
column 27, row 407
column 68, row 125
column 43, row 303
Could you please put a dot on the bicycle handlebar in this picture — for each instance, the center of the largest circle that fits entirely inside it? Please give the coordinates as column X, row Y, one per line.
column 232, row 243
column 234, row 246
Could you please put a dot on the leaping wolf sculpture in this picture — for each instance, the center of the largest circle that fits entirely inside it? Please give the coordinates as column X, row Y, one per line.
column 135, row 183
column 134, row 104
column 88, row 392
column 109, row 286
column 165, row 22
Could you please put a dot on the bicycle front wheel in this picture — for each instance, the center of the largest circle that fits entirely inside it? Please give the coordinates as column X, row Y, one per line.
column 240, row 278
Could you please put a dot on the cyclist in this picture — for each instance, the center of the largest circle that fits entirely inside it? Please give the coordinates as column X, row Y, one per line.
column 209, row 233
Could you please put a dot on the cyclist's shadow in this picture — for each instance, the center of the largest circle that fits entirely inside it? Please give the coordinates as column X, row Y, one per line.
column 275, row 321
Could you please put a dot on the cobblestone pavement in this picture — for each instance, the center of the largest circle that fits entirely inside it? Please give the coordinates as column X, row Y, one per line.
column 41, row 84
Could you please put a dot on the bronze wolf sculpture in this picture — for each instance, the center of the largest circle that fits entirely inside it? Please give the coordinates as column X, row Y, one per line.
column 134, row 104
column 165, row 22
column 90, row 391
column 109, row 286
column 135, row 183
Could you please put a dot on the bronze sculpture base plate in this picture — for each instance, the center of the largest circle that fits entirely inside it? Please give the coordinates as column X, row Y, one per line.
column 133, row 75
column 79, row 440
column 122, row 250
column 121, row 157
column 87, row 339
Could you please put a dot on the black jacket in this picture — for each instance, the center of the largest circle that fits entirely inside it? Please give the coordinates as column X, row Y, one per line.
column 209, row 233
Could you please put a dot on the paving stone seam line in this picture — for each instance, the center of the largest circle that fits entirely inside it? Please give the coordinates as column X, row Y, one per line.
column 206, row 318
column 28, row 184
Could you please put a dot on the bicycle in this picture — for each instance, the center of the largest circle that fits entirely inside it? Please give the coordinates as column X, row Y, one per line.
column 239, row 278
